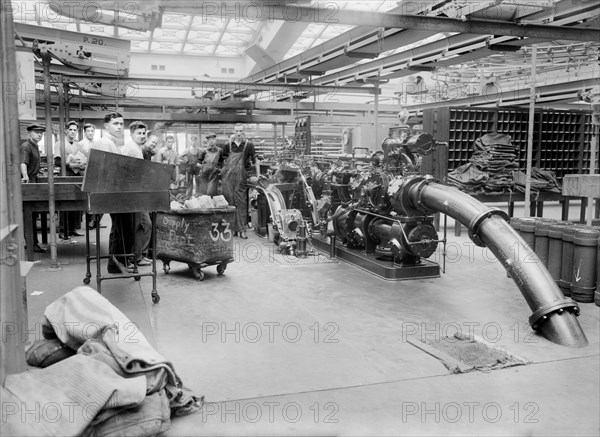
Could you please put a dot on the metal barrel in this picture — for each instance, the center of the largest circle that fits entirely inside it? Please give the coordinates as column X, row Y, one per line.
column 585, row 260
column 597, row 293
column 515, row 222
column 566, row 266
column 527, row 230
column 541, row 239
column 555, row 245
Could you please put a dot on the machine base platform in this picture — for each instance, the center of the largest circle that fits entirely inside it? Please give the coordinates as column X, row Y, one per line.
column 384, row 269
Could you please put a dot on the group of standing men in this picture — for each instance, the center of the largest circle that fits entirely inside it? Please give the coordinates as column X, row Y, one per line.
column 229, row 165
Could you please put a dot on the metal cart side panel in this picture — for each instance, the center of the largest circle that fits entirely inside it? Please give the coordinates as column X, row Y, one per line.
column 196, row 237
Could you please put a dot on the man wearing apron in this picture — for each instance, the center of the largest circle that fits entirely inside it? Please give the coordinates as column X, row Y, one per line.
column 239, row 154
column 210, row 161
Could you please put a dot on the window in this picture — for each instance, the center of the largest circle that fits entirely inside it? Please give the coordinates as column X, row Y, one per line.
column 154, row 67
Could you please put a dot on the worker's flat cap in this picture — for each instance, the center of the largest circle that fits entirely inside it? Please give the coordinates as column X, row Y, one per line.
column 211, row 135
column 36, row 126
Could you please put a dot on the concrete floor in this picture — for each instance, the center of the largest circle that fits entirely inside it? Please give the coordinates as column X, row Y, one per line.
column 282, row 347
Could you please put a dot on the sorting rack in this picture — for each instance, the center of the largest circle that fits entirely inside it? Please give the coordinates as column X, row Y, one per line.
column 561, row 139
column 120, row 184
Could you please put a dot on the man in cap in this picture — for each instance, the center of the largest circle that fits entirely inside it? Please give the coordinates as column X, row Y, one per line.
column 188, row 162
column 30, row 167
column 210, row 162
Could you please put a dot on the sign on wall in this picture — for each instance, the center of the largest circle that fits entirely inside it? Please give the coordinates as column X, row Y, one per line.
column 26, row 86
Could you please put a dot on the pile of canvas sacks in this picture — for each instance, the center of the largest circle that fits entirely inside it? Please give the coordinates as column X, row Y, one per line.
column 493, row 168
column 111, row 383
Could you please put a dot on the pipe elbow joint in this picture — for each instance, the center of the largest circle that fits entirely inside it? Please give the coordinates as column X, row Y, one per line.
column 476, row 222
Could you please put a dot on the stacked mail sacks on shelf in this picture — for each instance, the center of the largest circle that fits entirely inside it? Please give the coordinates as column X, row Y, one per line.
column 541, row 180
column 491, row 166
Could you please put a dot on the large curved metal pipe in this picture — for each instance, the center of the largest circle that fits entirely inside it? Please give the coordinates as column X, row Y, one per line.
column 554, row 316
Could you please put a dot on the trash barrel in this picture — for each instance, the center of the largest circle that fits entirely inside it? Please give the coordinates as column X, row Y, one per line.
column 555, row 245
column 515, row 222
column 585, row 253
column 541, row 240
column 566, row 265
column 527, row 231
column 597, row 293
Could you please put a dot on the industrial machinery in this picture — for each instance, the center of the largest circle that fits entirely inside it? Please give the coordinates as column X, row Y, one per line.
column 370, row 227
column 381, row 218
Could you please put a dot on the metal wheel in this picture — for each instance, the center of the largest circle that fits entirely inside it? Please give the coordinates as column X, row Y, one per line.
column 198, row 273
column 86, row 280
column 137, row 278
column 166, row 268
column 221, row 268
column 155, row 297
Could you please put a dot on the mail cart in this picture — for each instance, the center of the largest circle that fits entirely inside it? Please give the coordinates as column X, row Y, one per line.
column 118, row 184
column 197, row 237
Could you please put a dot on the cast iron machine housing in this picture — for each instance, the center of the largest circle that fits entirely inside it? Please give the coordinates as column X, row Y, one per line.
column 369, row 229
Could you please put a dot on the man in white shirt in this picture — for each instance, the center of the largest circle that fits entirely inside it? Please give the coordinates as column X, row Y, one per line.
column 134, row 146
column 75, row 162
column 87, row 143
column 143, row 231
column 89, row 132
column 112, row 140
column 121, row 231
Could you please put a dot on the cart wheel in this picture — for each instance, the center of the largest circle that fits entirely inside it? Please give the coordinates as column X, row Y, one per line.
column 155, row 297
column 86, row 280
column 221, row 268
column 166, row 268
column 137, row 278
column 198, row 273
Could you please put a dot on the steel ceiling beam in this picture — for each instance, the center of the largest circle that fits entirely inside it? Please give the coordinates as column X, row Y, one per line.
column 509, row 97
column 438, row 52
column 330, row 55
column 215, row 86
column 329, row 15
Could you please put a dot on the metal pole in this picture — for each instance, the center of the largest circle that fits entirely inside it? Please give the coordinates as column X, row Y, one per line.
column 530, row 132
column 50, row 157
column 376, row 114
column 275, row 140
column 13, row 302
column 61, row 129
column 593, row 150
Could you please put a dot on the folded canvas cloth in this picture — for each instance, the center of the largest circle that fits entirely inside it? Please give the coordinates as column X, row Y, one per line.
column 541, row 180
column 149, row 418
column 83, row 314
column 64, row 398
column 468, row 178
